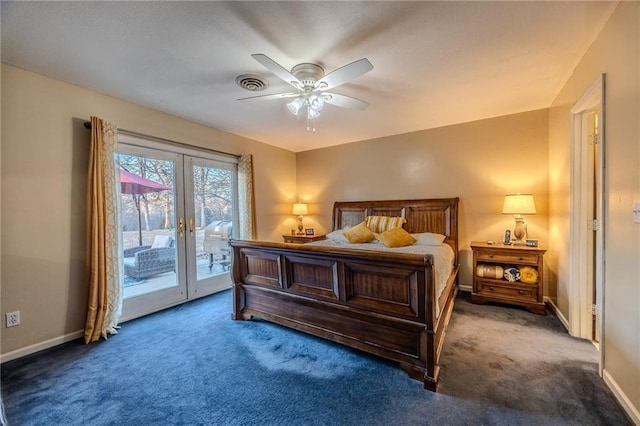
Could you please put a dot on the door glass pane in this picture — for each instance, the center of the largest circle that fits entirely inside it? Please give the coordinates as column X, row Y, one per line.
column 148, row 224
column 213, row 215
column 177, row 213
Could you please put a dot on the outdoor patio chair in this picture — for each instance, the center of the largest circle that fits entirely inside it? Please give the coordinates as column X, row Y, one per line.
column 145, row 261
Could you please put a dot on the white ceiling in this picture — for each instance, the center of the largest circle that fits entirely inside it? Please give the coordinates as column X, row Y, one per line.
column 435, row 63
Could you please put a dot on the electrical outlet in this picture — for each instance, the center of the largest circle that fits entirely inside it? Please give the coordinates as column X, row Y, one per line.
column 13, row 319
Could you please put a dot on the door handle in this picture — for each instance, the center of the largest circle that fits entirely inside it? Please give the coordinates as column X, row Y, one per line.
column 181, row 226
column 191, row 226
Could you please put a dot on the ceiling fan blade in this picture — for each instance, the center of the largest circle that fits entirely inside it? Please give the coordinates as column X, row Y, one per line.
column 277, row 69
column 344, row 101
column 344, row 74
column 269, row 97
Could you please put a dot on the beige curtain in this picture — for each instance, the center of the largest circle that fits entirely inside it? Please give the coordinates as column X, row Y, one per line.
column 102, row 264
column 246, row 198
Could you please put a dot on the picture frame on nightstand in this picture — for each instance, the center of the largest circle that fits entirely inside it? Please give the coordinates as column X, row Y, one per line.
column 308, row 231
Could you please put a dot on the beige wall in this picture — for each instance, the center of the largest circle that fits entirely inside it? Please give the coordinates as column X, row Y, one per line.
column 479, row 162
column 44, row 165
column 615, row 52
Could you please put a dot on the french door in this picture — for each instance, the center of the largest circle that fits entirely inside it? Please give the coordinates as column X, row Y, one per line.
column 177, row 212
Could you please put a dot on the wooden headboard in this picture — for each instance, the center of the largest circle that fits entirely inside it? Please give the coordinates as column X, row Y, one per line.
column 436, row 215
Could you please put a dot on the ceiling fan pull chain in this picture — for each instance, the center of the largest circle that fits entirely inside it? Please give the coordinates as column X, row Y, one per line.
column 311, row 125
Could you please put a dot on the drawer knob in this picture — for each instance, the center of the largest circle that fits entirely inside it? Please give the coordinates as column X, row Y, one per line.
column 520, row 292
column 490, row 256
column 491, row 288
column 520, row 258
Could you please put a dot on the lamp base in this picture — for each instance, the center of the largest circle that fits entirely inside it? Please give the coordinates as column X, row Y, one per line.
column 300, row 227
column 519, row 232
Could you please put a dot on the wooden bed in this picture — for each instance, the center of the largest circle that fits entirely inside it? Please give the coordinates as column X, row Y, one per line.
column 379, row 302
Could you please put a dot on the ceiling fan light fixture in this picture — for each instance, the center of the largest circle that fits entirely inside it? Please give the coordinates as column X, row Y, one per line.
column 295, row 105
column 312, row 113
column 310, row 81
column 316, row 102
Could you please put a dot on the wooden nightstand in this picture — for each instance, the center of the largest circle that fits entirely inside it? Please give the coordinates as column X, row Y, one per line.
column 486, row 289
column 302, row 239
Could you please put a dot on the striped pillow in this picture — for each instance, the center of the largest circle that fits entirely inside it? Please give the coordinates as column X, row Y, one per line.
column 379, row 224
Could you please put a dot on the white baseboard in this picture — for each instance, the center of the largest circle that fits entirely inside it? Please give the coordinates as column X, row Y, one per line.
column 556, row 311
column 631, row 410
column 28, row 350
column 620, row 396
column 464, row 287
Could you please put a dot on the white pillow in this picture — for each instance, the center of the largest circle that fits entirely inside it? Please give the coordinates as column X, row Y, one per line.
column 429, row 239
column 337, row 236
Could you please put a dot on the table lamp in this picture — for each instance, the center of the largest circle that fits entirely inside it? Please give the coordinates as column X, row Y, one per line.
column 519, row 204
column 300, row 209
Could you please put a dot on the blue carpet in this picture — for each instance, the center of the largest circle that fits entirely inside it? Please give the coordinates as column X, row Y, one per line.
column 192, row 365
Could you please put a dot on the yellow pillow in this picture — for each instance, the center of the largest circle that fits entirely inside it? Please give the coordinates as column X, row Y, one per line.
column 396, row 237
column 359, row 234
column 379, row 224
column 529, row 275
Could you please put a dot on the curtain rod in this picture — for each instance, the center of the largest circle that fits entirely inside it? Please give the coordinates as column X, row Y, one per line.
column 87, row 125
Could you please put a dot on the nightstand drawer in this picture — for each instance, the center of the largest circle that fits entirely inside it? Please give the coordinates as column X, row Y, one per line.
column 524, row 258
column 499, row 290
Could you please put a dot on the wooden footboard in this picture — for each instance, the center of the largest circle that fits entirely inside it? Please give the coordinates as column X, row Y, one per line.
column 381, row 303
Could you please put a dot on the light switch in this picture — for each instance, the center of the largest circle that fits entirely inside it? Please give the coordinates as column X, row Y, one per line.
column 636, row 212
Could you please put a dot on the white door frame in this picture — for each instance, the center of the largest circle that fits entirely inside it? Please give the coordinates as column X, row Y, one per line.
column 176, row 291
column 581, row 295
column 141, row 144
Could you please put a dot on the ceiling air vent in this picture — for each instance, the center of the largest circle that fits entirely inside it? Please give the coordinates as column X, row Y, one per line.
column 251, row 82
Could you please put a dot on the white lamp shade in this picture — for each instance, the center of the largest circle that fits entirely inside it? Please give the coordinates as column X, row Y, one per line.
column 295, row 105
column 312, row 113
column 519, row 204
column 316, row 102
column 300, row 209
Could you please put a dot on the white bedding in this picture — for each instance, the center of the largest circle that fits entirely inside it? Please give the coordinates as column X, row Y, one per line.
column 442, row 255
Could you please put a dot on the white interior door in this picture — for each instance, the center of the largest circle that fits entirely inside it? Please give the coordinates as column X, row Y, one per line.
column 586, row 269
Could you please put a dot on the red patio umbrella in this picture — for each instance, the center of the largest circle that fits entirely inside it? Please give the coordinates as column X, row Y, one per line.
column 136, row 185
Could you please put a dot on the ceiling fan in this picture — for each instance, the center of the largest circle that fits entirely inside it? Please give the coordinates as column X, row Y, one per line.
column 312, row 86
